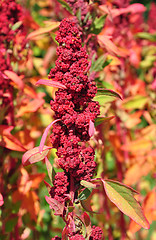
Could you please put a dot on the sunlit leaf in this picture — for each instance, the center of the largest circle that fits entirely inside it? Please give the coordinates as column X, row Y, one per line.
column 44, row 136
column 15, row 78
column 91, row 130
column 65, row 5
column 55, row 205
column 31, row 106
column 43, row 30
column 1, row 200
column 88, row 184
column 122, row 196
column 98, row 24
column 33, row 155
column 145, row 35
column 49, row 168
column 100, row 120
column 107, row 43
column 135, row 102
column 50, row 83
column 7, row 140
column 108, row 92
column 102, row 99
column 141, row 145
column 100, row 63
column 84, row 194
column 16, row 25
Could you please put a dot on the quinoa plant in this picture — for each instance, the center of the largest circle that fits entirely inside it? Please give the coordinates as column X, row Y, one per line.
column 75, row 115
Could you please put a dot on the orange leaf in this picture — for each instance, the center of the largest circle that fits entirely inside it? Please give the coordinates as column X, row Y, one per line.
column 149, row 207
column 135, row 172
column 139, row 146
column 31, row 106
column 36, row 179
column 8, row 140
column 133, row 119
column 43, row 30
column 15, row 78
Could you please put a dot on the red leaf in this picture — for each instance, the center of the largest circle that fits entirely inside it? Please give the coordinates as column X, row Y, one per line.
column 44, row 136
column 105, row 42
column 91, row 128
column 55, row 205
column 1, row 200
column 136, row 8
column 50, row 83
column 48, row 186
column 33, row 155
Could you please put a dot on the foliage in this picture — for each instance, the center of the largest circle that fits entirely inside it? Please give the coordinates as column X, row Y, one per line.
column 78, row 181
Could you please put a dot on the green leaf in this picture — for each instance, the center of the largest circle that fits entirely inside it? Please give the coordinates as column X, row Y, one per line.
column 108, row 92
column 87, row 184
column 10, row 224
column 84, row 194
column 99, row 64
column 16, row 206
column 103, row 99
column 122, row 196
column 98, row 24
column 16, row 25
column 53, row 35
column 71, row 208
column 100, row 120
column 49, row 168
column 148, row 36
column 65, row 5
column 135, row 102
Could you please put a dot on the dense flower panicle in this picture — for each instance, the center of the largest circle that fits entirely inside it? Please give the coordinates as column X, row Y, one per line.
column 12, row 44
column 60, row 187
column 56, row 238
column 84, row 7
column 11, row 12
column 77, row 237
column 96, row 233
column 152, row 18
column 73, row 105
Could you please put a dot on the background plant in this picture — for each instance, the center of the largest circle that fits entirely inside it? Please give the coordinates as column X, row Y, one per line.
column 129, row 144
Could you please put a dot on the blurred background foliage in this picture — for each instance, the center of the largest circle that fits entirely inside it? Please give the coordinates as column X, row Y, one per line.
column 125, row 146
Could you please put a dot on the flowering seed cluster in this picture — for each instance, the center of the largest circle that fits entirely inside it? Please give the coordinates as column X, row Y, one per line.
column 59, row 189
column 83, row 7
column 96, row 233
column 12, row 43
column 73, row 105
column 77, row 237
column 11, row 12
